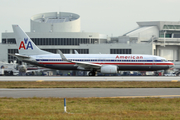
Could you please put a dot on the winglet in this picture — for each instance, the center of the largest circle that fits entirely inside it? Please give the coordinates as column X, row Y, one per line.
column 76, row 52
column 62, row 56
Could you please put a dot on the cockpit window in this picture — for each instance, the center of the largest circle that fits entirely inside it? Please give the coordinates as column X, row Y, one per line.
column 164, row 60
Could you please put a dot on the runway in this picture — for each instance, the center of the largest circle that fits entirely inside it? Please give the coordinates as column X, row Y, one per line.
column 100, row 78
column 91, row 92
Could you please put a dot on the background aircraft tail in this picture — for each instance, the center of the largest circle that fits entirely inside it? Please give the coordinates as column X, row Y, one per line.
column 25, row 45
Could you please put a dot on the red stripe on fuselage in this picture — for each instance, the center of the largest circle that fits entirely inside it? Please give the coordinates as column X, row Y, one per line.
column 68, row 63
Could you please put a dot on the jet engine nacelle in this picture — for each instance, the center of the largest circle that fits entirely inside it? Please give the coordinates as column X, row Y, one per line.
column 109, row 69
column 22, row 68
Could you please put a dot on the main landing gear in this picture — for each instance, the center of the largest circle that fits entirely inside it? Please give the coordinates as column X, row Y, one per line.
column 92, row 73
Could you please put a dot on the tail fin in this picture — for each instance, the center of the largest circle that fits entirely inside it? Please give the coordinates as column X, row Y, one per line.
column 25, row 45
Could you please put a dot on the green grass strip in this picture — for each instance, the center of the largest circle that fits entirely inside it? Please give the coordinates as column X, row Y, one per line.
column 107, row 84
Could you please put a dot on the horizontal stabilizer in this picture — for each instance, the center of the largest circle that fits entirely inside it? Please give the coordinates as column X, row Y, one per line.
column 18, row 55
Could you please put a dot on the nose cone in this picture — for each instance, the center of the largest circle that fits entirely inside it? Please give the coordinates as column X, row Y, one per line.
column 171, row 65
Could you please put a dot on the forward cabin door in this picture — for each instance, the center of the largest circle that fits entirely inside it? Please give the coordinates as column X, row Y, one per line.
column 154, row 63
column 101, row 59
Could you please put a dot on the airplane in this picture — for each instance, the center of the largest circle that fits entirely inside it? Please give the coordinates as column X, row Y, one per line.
column 103, row 63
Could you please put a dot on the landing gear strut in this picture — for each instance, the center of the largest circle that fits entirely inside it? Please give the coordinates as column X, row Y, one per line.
column 92, row 73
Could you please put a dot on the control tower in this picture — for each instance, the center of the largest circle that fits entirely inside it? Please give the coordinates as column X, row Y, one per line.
column 55, row 22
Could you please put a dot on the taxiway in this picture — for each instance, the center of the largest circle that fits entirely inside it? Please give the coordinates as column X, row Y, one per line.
column 100, row 78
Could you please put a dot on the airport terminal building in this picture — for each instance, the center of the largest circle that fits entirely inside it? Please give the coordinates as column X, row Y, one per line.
column 53, row 31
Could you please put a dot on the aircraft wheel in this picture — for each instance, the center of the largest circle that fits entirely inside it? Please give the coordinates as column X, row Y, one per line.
column 91, row 73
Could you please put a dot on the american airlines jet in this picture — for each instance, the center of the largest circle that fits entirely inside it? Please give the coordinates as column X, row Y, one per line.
column 104, row 63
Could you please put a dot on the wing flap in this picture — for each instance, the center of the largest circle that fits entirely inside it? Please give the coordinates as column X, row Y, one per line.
column 86, row 64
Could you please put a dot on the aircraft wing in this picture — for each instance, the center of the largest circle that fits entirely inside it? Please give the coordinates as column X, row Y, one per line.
column 81, row 65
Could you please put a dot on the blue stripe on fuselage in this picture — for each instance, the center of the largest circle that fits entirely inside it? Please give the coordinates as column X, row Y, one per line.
column 98, row 60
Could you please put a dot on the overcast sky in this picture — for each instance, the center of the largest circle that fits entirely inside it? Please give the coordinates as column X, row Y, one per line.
column 111, row 17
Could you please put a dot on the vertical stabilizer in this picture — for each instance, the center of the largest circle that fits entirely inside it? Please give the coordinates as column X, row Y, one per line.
column 25, row 45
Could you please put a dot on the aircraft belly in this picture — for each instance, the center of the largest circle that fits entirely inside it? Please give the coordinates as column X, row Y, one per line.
column 62, row 67
column 143, row 67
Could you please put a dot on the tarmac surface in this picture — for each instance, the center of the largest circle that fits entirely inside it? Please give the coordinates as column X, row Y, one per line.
column 91, row 92
column 77, row 78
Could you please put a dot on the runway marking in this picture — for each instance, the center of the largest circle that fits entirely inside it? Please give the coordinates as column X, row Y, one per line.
column 174, row 80
column 142, row 96
column 59, row 78
column 40, row 81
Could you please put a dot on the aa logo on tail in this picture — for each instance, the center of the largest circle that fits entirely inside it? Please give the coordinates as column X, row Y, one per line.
column 27, row 43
